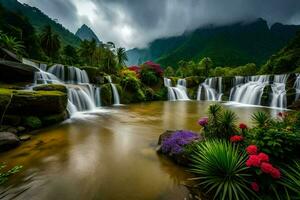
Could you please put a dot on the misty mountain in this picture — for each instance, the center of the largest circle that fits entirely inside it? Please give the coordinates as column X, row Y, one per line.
column 86, row 33
column 230, row 45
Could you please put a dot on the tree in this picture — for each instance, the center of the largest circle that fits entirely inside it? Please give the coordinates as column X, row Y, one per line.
column 169, row 71
column 11, row 44
column 70, row 55
column 206, row 63
column 121, row 56
column 50, row 42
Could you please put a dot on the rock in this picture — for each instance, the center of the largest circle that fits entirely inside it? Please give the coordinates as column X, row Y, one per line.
column 21, row 129
column 164, row 135
column 8, row 141
column 51, row 87
column 95, row 75
column 35, row 103
column 106, row 95
column 25, row 137
column 295, row 106
column 12, row 130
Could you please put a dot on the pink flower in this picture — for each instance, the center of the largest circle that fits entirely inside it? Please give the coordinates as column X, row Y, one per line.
column 253, row 161
column 263, row 157
column 236, row 138
column 266, row 168
column 252, row 150
column 203, row 121
column 243, row 126
column 275, row 173
column 255, row 186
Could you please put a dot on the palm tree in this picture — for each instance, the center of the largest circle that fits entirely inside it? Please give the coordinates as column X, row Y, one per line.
column 11, row 44
column 50, row 42
column 121, row 56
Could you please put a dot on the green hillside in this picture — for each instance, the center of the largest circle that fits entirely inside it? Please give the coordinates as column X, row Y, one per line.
column 38, row 19
column 230, row 45
column 286, row 60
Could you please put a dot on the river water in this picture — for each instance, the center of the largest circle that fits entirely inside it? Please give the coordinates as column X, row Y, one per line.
column 107, row 154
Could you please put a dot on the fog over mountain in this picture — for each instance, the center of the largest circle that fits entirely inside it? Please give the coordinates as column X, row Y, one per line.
column 135, row 23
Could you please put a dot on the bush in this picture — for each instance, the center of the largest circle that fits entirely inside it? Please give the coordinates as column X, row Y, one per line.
column 149, row 77
column 33, row 122
column 220, row 169
column 291, row 179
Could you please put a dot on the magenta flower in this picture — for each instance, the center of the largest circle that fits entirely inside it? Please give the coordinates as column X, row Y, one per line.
column 203, row 121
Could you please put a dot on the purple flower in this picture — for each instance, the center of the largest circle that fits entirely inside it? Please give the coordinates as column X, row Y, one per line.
column 174, row 143
column 203, row 121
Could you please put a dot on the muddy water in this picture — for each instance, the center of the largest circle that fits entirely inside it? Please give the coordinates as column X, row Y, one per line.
column 108, row 154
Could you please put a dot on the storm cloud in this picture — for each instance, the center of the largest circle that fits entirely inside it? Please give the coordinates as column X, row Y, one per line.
column 135, row 23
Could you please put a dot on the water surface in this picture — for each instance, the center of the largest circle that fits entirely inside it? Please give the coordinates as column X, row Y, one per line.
column 108, row 154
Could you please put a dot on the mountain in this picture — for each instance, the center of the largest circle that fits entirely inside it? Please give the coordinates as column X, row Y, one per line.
column 86, row 33
column 285, row 60
column 230, row 45
column 38, row 19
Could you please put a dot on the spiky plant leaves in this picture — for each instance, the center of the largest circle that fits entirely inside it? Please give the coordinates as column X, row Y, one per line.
column 221, row 170
column 261, row 119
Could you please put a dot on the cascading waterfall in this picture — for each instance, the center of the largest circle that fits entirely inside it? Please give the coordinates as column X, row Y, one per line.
column 297, row 86
column 278, row 95
column 249, row 90
column 82, row 96
column 115, row 91
column 210, row 90
column 176, row 93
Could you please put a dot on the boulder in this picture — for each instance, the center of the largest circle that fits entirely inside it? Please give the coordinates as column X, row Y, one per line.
column 24, row 138
column 8, row 141
column 51, row 87
column 36, row 103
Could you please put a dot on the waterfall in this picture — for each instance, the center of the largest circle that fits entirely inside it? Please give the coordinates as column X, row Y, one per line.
column 176, row 93
column 211, row 88
column 115, row 91
column 278, row 95
column 251, row 91
column 72, row 75
column 82, row 96
column 297, row 86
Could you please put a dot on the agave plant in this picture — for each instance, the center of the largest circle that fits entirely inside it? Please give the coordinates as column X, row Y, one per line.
column 214, row 111
column 227, row 122
column 291, row 179
column 261, row 119
column 221, row 170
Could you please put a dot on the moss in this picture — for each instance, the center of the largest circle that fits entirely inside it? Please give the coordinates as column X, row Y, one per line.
column 51, row 87
column 54, row 119
column 194, row 81
column 95, row 75
column 32, row 122
column 106, row 95
column 37, row 103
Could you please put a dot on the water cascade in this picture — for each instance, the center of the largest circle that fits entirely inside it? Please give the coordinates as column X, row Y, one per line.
column 297, row 86
column 249, row 90
column 82, row 96
column 115, row 91
column 210, row 90
column 176, row 93
column 278, row 95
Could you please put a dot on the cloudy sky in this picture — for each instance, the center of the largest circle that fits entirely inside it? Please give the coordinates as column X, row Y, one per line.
column 135, row 23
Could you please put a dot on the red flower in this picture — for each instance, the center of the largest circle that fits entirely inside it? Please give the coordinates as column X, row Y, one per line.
column 243, row 126
column 255, row 186
column 266, row 168
column 275, row 173
column 252, row 150
column 263, row 157
column 280, row 114
column 236, row 138
column 253, row 161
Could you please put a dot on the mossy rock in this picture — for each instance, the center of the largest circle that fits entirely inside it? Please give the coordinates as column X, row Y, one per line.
column 35, row 103
column 194, row 81
column 192, row 92
column 54, row 119
column 265, row 99
column 95, row 75
column 32, row 122
column 227, row 84
column 51, row 87
column 161, row 94
column 106, row 95
column 133, row 96
column 290, row 96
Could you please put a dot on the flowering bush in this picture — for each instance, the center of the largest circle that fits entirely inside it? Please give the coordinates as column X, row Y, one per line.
column 252, row 150
column 242, row 126
column 255, row 186
column 236, row 138
column 203, row 121
column 174, row 143
column 155, row 67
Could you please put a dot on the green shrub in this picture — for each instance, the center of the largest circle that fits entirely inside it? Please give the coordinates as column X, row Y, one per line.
column 221, row 170
column 149, row 77
column 33, row 122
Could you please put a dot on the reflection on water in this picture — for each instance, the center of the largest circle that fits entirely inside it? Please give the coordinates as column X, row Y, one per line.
column 108, row 154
